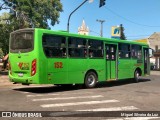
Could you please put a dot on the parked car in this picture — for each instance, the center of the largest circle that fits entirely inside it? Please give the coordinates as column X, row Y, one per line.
column 152, row 66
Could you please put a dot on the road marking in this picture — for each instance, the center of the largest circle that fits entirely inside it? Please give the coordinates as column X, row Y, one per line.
column 66, row 98
column 135, row 118
column 78, row 103
column 25, row 92
column 112, row 109
column 40, row 95
column 36, row 95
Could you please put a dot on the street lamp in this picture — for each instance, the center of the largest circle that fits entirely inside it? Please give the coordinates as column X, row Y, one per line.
column 76, row 10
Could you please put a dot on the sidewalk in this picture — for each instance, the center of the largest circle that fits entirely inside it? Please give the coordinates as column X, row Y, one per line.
column 3, row 72
column 155, row 73
column 4, row 81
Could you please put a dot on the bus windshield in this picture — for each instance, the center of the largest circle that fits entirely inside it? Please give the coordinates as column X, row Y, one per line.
column 21, row 42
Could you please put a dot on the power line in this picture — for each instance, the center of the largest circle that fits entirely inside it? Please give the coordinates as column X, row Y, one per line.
column 128, row 19
column 95, row 32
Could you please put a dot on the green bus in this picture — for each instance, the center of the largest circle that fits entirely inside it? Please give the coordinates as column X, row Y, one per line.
column 40, row 56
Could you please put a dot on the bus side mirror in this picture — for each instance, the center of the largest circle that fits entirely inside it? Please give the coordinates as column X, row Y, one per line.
column 151, row 52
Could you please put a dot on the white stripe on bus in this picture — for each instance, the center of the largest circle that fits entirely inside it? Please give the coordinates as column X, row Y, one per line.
column 78, row 103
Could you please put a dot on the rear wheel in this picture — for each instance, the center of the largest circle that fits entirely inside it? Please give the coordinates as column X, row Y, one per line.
column 136, row 76
column 90, row 80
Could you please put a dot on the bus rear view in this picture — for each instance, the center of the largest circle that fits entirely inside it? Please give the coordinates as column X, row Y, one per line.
column 22, row 57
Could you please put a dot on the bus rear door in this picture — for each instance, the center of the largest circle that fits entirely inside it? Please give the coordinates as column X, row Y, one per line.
column 111, row 61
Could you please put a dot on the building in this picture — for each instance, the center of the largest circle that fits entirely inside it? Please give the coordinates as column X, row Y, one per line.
column 154, row 40
column 154, row 43
column 83, row 29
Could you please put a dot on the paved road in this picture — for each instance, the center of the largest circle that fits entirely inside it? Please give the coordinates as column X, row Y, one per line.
column 112, row 96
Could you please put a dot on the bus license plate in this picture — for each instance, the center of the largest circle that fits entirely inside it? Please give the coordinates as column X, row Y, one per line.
column 20, row 74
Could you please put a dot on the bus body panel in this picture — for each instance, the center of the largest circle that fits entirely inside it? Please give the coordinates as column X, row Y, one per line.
column 123, row 71
column 57, row 71
column 21, row 68
column 99, row 66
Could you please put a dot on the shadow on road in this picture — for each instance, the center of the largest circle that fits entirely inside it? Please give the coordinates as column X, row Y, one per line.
column 120, row 83
column 46, row 89
column 53, row 89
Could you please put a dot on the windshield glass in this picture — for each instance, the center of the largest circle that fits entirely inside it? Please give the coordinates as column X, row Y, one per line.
column 21, row 42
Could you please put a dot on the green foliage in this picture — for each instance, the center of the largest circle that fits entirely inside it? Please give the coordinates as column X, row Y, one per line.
column 34, row 13
column 5, row 29
column 26, row 14
column 1, row 53
column 122, row 37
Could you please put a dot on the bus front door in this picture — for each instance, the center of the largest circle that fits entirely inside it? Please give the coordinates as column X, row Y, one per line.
column 111, row 61
column 146, row 60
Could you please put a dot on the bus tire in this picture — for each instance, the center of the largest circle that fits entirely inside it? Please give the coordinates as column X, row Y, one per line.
column 136, row 76
column 90, row 80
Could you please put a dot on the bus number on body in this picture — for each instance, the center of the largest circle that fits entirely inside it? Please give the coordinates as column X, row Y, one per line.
column 58, row 65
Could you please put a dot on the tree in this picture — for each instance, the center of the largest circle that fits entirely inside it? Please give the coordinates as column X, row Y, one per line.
column 1, row 53
column 122, row 35
column 33, row 13
column 5, row 29
column 26, row 14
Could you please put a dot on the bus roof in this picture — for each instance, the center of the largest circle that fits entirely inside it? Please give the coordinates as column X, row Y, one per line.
column 66, row 33
column 60, row 32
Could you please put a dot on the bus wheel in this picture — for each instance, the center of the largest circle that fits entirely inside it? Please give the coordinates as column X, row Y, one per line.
column 136, row 76
column 90, row 80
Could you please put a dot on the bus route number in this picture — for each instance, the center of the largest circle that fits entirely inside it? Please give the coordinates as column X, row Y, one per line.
column 58, row 65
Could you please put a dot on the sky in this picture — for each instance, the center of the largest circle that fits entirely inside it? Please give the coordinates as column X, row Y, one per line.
column 140, row 18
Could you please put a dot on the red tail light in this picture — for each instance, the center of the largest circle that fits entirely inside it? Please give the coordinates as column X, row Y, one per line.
column 33, row 70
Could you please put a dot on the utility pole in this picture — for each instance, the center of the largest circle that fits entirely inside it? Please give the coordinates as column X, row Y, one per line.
column 101, row 31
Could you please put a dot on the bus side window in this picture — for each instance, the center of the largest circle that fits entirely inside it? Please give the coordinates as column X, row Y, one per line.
column 77, row 47
column 95, row 49
column 124, row 51
column 91, row 54
column 64, row 53
column 136, row 52
column 54, row 45
column 107, row 52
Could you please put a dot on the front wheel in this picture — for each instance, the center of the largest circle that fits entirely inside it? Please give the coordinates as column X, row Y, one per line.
column 136, row 76
column 90, row 80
